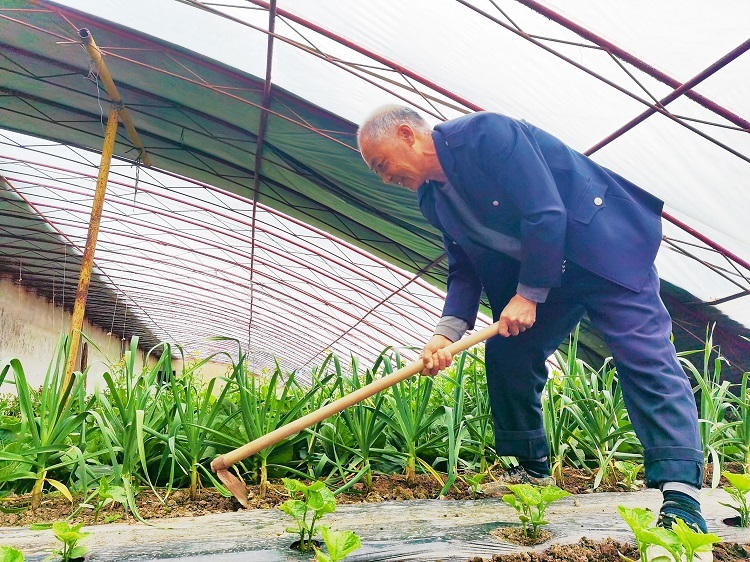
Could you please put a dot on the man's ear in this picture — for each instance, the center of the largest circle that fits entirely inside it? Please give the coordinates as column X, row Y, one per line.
column 405, row 133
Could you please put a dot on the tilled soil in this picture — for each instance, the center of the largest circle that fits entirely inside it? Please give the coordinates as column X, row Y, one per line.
column 392, row 487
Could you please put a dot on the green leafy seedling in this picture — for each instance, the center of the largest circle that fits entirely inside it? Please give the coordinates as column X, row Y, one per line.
column 338, row 543
column 68, row 535
column 693, row 541
column 740, row 486
column 10, row 554
column 105, row 495
column 475, row 483
column 681, row 542
column 639, row 520
column 312, row 501
column 530, row 502
column 629, row 471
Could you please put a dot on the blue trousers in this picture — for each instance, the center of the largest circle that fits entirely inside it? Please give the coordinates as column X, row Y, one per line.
column 637, row 329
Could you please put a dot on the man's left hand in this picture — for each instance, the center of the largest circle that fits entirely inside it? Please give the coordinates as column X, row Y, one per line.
column 518, row 316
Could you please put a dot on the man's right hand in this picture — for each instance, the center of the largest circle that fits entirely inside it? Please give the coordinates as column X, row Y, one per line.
column 435, row 356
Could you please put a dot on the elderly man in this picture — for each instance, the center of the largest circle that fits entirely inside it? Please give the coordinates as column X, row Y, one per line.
column 549, row 235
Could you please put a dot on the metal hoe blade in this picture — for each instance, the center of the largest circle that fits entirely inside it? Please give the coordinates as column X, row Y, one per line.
column 233, row 484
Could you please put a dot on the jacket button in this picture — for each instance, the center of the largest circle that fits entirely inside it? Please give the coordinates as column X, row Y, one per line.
column 495, row 203
column 598, row 201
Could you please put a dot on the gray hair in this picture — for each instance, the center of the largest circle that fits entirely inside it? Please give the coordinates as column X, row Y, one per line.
column 383, row 122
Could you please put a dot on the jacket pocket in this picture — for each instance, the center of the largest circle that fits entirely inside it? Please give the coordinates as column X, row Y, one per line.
column 590, row 203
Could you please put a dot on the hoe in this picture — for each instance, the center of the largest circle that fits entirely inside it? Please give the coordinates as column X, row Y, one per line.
column 221, row 464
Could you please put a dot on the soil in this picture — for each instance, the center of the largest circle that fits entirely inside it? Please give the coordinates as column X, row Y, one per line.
column 392, row 487
column 518, row 536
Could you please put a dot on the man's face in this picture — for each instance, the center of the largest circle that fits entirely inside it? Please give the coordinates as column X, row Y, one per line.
column 395, row 159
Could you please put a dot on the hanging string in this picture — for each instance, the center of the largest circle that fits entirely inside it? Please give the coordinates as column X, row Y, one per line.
column 137, row 176
column 94, row 77
column 112, row 327
column 124, row 322
column 53, row 300
column 65, row 271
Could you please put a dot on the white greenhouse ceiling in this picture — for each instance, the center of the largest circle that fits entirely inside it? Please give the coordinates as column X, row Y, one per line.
column 243, row 100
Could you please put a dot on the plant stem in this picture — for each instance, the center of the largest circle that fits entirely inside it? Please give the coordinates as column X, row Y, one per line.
column 194, row 482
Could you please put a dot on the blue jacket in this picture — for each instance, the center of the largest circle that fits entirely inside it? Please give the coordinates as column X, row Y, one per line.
column 523, row 182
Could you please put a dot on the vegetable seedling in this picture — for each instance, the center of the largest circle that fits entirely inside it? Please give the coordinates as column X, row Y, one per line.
column 530, row 502
column 740, row 486
column 475, row 483
column 629, row 471
column 681, row 542
column 314, row 501
column 338, row 543
column 68, row 535
column 105, row 495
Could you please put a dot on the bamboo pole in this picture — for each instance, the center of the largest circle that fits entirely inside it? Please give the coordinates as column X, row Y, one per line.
column 109, row 86
column 117, row 113
column 87, row 263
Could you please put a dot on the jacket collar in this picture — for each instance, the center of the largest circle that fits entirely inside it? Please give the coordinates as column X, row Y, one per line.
column 444, row 154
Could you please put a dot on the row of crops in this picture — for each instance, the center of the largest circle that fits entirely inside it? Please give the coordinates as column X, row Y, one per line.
column 137, row 430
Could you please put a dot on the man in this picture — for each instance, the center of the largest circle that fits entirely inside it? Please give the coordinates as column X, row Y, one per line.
column 549, row 235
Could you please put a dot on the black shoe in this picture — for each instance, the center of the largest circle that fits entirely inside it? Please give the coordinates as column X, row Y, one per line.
column 514, row 475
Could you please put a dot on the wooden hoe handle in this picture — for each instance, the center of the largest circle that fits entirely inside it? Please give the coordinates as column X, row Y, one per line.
column 232, row 457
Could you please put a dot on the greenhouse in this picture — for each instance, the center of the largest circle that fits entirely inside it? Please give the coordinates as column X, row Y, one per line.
column 212, row 311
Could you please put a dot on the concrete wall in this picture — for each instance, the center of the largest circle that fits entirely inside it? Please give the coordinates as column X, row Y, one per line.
column 30, row 327
column 208, row 371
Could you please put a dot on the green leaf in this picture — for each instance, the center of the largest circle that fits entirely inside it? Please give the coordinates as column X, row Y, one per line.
column 321, row 556
column 511, row 500
column 10, row 554
column 40, row 526
column 637, row 518
column 527, row 493
column 295, row 508
column 552, row 493
column 321, row 499
column 662, row 537
column 78, row 552
column 739, row 481
column 339, row 543
column 294, row 485
column 118, row 494
column 696, row 542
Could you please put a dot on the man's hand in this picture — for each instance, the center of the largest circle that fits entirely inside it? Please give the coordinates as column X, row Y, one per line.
column 518, row 316
column 435, row 356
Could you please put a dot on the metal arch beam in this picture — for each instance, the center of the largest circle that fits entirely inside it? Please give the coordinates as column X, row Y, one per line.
column 265, row 104
column 683, row 89
column 370, row 54
column 603, row 79
column 272, row 183
column 635, row 61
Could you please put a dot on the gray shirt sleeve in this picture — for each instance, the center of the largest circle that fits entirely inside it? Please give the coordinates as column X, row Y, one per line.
column 536, row 294
column 451, row 327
